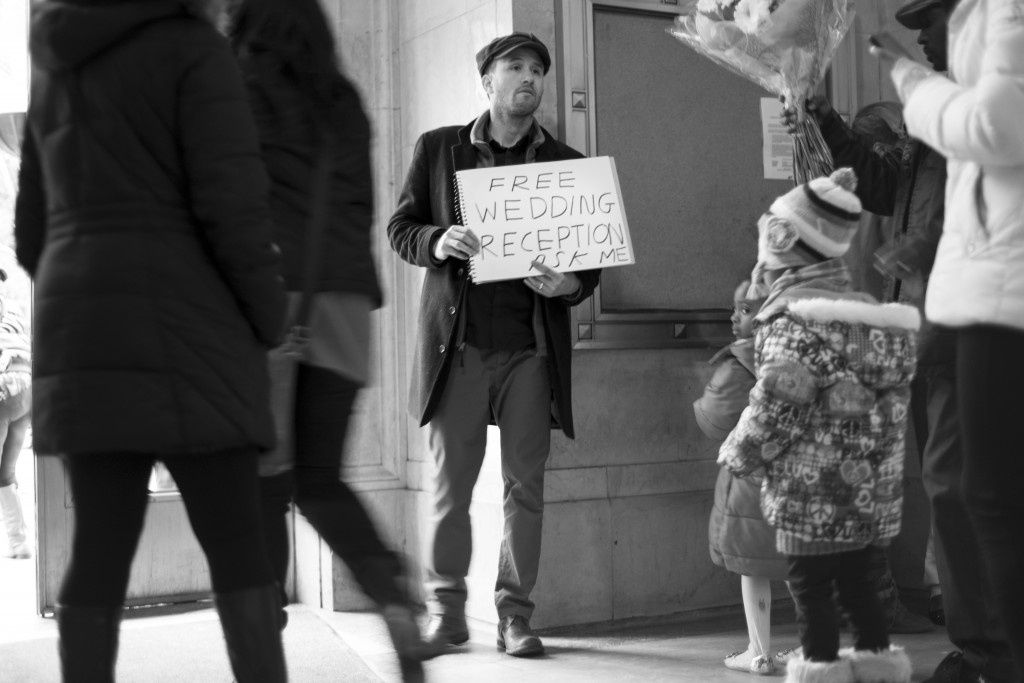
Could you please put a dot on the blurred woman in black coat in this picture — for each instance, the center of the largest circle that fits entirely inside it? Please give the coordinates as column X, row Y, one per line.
column 142, row 218
column 305, row 107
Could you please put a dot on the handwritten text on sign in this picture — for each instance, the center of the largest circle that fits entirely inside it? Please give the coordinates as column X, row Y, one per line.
column 565, row 214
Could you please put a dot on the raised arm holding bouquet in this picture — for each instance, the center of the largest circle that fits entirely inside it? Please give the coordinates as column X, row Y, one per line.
column 785, row 46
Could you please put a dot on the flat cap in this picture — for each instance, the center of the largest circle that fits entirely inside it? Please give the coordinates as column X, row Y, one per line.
column 499, row 47
column 914, row 14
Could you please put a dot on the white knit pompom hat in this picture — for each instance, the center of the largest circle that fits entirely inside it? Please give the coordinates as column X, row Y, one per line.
column 812, row 222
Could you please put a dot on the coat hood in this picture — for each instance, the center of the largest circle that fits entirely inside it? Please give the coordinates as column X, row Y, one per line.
column 877, row 342
column 65, row 35
column 742, row 350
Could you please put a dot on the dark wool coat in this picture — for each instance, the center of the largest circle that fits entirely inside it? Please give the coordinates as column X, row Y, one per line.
column 142, row 218
column 739, row 539
column 291, row 146
column 426, row 208
column 911, row 187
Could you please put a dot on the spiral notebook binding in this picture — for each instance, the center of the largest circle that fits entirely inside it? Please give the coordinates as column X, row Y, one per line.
column 459, row 214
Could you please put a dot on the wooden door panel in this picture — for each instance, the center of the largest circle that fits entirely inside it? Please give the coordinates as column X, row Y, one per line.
column 169, row 565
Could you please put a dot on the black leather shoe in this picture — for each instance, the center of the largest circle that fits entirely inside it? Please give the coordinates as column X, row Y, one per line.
column 443, row 632
column 952, row 670
column 516, row 638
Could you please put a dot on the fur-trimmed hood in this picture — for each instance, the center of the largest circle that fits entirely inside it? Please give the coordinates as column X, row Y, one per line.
column 878, row 342
column 845, row 310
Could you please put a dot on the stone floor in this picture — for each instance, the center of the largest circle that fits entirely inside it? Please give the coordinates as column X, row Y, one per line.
column 683, row 648
column 686, row 648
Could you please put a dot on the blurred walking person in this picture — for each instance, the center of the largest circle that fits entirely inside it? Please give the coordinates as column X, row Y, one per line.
column 142, row 218
column 305, row 108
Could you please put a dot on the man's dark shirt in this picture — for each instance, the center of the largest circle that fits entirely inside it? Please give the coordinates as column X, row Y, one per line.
column 500, row 314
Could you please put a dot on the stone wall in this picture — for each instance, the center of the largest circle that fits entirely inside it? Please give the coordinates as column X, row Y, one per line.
column 627, row 501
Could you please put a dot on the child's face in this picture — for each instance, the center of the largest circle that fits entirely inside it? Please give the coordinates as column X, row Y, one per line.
column 743, row 312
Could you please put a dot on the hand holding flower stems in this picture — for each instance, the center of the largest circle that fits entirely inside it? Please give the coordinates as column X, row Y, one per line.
column 785, row 46
column 817, row 106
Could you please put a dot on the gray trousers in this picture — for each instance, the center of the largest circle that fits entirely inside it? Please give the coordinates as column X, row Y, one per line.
column 514, row 386
column 966, row 592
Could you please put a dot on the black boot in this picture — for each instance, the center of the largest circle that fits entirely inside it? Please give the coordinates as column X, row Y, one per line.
column 88, row 642
column 250, row 619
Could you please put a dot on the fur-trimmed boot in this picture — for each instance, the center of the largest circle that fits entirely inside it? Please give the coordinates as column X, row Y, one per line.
column 14, row 523
column 887, row 666
column 799, row 670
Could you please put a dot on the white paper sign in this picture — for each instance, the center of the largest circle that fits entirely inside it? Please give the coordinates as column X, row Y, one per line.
column 565, row 214
column 778, row 143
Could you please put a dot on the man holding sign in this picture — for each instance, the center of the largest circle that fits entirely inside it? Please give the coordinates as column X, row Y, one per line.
column 494, row 353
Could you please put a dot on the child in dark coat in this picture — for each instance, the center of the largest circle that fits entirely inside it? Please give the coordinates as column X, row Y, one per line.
column 739, row 539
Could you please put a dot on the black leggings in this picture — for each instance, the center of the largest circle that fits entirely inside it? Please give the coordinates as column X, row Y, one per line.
column 221, row 495
column 990, row 381
column 814, row 581
column 324, row 401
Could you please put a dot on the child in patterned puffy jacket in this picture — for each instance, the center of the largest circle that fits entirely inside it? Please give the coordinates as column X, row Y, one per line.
column 826, row 423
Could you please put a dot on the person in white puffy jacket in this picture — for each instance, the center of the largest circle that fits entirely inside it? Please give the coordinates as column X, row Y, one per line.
column 973, row 118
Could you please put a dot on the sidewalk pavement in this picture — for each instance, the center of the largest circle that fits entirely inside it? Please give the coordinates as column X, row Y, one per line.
column 688, row 648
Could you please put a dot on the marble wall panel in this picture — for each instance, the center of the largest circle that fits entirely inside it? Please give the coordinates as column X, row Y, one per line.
column 660, row 556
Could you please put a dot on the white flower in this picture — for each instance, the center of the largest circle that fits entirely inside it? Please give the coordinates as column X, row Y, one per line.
column 719, row 10
column 752, row 14
column 715, row 5
column 780, row 236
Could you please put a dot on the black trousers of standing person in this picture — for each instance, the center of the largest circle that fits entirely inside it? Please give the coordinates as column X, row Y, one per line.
column 990, row 373
column 111, row 494
column 815, row 580
column 971, row 618
column 323, row 407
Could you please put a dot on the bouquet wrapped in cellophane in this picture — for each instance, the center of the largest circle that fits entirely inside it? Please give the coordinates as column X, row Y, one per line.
column 785, row 46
